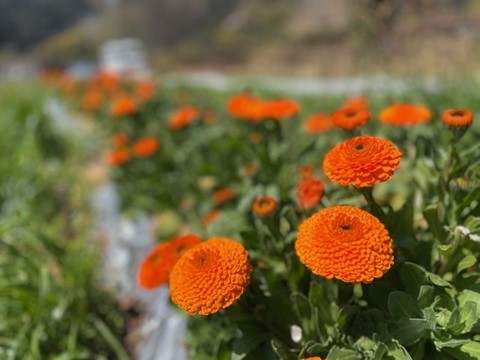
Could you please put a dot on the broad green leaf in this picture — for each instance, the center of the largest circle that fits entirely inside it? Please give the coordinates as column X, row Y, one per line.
column 337, row 353
column 437, row 280
column 413, row 277
column 425, row 296
column 466, row 262
column 247, row 343
column 468, row 315
column 397, row 351
column 409, row 331
column 468, row 351
column 401, row 305
column 435, row 222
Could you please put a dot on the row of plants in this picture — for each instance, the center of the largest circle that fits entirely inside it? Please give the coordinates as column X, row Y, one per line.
column 304, row 227
column 52, row 305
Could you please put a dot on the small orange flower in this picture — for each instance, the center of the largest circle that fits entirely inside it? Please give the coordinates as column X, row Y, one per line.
column 457, row 119
column 346, row 243
column 118, row 157
column 183, row 117
column 250, row 169
column 210, row 277
column 223, row 195
column 123, row 105
column 155, row 269
column 264, row 205
column 357, row 102
column 362, row 161
column 310, row 192
column 280, row 109
column 92, row 100
column 210, row 217
column 146, row 147
column 119, row 139
column 145, row 89
column 313, row 358
column 318, row 123
column 349, row 118
column 108, row 82
column 306, row 171
column 405, row 114
column 246, row 107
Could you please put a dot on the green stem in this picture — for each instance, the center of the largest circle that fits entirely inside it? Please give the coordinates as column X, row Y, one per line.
column 375, row 209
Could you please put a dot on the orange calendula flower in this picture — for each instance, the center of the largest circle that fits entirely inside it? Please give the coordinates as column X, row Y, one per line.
column 345, row 243
column 264, row 205
column 223, row 195
column 183, row 117
column 246, row 107
column 306, row 171
column 119, row 139
column 362, row 161
column 92, row 100
column 109, row 82
column 280, row 109
column 310, row 192
column 118, row 157
column 357, row 102
column 155, row 269
column 123, row 105
column 318, row 123
column 250, row 169
column 405, row 114
column 313, row 358
column 145, row 147
column 349, row 118
column 210, row 217
column 210, row 277
column 457, row 118
column 145, row 90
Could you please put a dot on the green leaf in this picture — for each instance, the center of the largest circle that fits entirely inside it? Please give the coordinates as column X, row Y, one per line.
column 466, row 262
column 469, row 296
column 401, row 305
column 409, row 331
column 247, row 343
column 468, row 351
column 397, row 351
column 425, row 296
column 468, row 315
column 437, row 280
column 413, row 277
column 435, row 223
column 337, row 353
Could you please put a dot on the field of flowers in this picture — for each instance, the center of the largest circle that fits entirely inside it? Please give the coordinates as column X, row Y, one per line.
column 288, row 227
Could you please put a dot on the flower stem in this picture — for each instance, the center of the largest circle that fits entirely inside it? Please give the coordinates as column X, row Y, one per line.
column 375, row 209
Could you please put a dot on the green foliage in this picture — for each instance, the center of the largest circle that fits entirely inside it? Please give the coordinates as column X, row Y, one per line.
column 51, row 305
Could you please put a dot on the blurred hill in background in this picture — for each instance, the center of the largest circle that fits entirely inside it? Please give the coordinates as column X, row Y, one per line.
column 301, row 37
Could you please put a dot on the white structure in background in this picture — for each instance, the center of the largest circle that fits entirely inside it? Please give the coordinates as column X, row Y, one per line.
column 124, row 57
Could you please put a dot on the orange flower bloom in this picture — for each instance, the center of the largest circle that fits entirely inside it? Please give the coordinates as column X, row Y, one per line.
column 313, row 358
column 92, row 100
column 280, row 109
column 118, row 157
column 457, row 119
column 146, row 147
column 405, row 114
column 183, row 117
column 123, row 105
column 145, row 90
column 210, row 276
column 346, row 243
column 356, row 102
column 310, row 192
column 246, row 107
column 318, row 123
column 210, row 217
column 306, row 171
column 362, row 161
column 264, row 205
column 250, row 169
column 119, row 139
column 155, row 269
column 223, row 195
column 109, row 82
column 349, row 118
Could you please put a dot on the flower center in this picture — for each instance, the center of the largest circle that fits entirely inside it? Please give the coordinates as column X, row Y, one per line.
column 359, row 147
column 350, row 114
column 457, row 113
column 345, row 227
column 180, row 249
